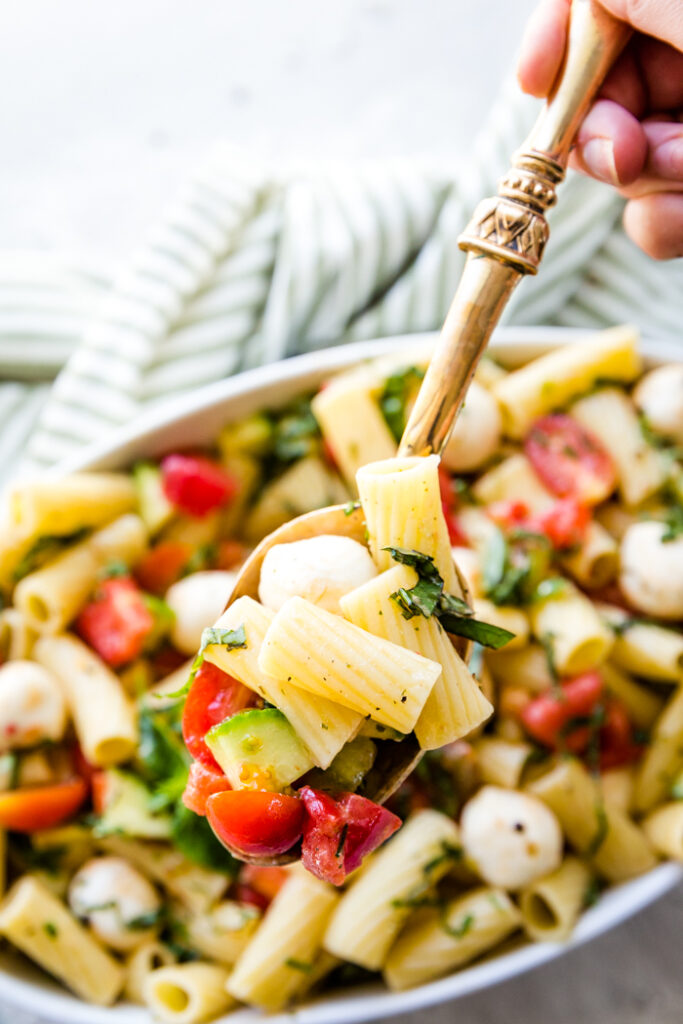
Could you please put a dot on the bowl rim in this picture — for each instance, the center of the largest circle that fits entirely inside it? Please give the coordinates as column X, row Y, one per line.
column 44, row 998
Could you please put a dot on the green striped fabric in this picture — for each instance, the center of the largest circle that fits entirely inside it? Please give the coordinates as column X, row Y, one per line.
column 253, row 265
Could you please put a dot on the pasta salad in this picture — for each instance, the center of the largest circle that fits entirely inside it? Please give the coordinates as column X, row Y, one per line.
column 511, row 611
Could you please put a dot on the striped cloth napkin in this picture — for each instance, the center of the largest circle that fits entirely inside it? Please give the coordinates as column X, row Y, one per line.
column 253, row 264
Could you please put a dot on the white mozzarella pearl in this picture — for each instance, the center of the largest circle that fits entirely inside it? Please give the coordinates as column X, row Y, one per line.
column 197, row 601
column 32, row 705
column 321, row 569
column 510, row 838
column 659, row 395
column 652, row 570
column 110, row 894
column 476, row 435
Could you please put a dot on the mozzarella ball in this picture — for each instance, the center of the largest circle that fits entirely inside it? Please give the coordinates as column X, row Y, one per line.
column 197, row 601
column 321, row 569
column 510, row 838
column 659, row 395
column 476, row 435
column 113, row 897
column 32, row 705
column 652, row 570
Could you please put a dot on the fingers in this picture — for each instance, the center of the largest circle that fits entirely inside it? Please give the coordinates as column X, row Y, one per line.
column 662, row 72
column 611, row 144
column 660, row 18
column 665, row 150
column 543, row 46
column 655, row 223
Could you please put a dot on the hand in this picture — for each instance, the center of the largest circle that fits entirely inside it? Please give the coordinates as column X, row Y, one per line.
column 632, row 137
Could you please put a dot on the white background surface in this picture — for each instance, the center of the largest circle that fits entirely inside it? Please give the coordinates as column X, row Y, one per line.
column 106, row 108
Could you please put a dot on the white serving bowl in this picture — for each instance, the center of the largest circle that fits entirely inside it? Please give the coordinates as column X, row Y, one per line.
column 195, row 419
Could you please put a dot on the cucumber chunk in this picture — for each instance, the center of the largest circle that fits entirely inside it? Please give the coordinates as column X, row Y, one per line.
column 126, row 809
column 258, row 749
column 155, row 509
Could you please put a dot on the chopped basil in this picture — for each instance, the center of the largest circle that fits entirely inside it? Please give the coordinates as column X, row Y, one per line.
column 145, row 921
column 50, row 929
column 457, row 931
column 674, row 524
column 398, row 389
column 342, row 839
column 592, row 893
column 514, row 568
column 43, row 549
column 601, row 831
column 414, row 902
column 448, row 853
column 228, row 638
column 298, row 965
column 427, row 598
column 295, row 432
column 351, row 507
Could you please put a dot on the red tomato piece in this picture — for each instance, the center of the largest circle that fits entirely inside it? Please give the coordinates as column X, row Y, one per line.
column 39, row 807
column 231, row 553
column 340, row 831
column 549, row 717
column 266, row 882
column 564, row 523
column 100, row 791
column 163, row 565
column 213, row 697
column 116, row 622
column 449, row 505
column 254, row 821
column 511, row 514
column 617, row 746
column 569, row 460
column 203, row 782
column 196, row 485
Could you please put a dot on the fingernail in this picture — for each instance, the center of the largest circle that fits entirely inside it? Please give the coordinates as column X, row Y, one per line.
column 598, row 156
column 667, row 159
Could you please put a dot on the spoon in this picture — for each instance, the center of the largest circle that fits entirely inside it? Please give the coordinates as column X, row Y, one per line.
column 504, row 241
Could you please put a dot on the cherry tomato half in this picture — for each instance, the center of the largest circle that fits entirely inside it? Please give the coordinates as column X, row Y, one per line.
column 196, row 485
column 203, row 782
column 569, row 460
column 39, row 807
column 549, row 718
column 254, row 821
column 163, row 565
column 340, row 831
column 213, row 697
column 116, row 622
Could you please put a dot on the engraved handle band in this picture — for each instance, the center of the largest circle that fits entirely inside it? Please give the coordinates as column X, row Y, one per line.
column 507, row 234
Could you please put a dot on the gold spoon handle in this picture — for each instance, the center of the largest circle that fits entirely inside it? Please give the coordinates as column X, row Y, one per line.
column 507, row 235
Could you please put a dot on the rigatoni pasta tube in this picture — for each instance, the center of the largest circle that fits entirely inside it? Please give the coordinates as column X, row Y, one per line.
column 187, row 993
column 551, row 906
column 501, row 762
column 331, row 657
column 323, row 725
column 513, row 479
column 371, row 912
column 401, row 501
column 16, row 636
column 617, row 787
column 104, row 717
column 663, row 758
column 352, row 423
column 146, row 958
column 60, row 507
column 223, row 933
column 50, row 597
column 642, row 704
column 552, row 380
column 274, row 966
column 644, row 648
column 527, row 668
column 447, row 939
column 505, row 617
column 455, row 705
column 664, row 829
column 610, row 415
column 595, row 562
column 605, row 835
column 306, row 485
column 195, row 887
column 577, row 635
column 39, row 924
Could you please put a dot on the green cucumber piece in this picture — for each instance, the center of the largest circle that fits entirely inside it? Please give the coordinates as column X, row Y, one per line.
column 127, row 809
column 155, row 509
column 258, row 749
column 348, row 769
